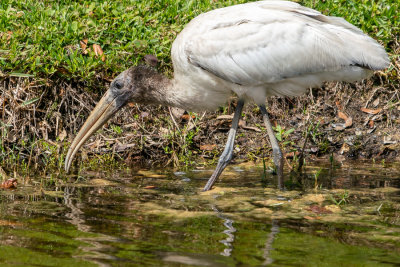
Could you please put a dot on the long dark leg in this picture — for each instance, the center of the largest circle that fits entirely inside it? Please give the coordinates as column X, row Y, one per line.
column 276, row 150
column 226, row 156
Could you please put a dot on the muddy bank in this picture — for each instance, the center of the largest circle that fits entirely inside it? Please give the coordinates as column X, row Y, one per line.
column 39, row 119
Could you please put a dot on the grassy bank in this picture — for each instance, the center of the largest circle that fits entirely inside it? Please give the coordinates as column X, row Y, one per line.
column 56, row 57
column 44, row 38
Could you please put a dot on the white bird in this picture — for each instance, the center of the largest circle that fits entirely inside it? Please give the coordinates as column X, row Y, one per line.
column 254, row 50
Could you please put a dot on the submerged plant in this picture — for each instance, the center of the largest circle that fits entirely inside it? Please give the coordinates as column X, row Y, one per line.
column 316, row 176
column 341, row 198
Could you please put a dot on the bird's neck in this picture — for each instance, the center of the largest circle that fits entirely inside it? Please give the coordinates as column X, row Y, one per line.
column 159, row 89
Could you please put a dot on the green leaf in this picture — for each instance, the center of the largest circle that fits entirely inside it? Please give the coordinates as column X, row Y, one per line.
column 30, row 101
column 74, row 26
column 17, row 74
column 288, row 132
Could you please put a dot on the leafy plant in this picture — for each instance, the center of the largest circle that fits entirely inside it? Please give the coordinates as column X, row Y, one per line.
column 117, row 129
column 281, row 134
column 341, row 198
column 316, row 176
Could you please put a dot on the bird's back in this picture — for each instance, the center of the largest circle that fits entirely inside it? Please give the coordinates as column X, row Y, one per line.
column 272, row 48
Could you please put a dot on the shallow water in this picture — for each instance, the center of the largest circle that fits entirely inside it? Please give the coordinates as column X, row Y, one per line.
column 342, row 215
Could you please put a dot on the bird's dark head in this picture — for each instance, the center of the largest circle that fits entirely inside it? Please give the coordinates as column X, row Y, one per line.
column 133, row 85
column 136, row 84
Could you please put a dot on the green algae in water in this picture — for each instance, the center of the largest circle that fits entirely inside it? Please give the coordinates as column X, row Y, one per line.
column 298, row 249
column 20, row 256
column 240, row 223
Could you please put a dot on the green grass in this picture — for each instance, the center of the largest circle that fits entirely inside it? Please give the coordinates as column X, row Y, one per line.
column 41, row 38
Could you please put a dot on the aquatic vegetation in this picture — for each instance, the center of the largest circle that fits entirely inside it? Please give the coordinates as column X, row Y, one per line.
column 159, row 217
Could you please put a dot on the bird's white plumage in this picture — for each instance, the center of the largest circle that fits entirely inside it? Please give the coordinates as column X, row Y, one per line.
column 255, row 50
column 267, row 48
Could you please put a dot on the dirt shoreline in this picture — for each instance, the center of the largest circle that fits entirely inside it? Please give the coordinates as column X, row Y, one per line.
column 40, row 118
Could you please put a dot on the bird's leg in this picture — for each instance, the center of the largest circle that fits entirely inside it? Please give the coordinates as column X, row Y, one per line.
column 276, row 150
column 226, row 156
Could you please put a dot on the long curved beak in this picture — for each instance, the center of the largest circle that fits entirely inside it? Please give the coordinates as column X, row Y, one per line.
column 106, row 107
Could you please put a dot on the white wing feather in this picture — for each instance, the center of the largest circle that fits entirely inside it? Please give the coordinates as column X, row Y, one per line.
column 281, row 45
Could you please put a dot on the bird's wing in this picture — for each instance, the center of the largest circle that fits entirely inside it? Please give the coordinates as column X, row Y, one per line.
column 272, row 42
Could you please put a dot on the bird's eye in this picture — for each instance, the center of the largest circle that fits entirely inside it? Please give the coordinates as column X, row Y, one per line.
column 118, row 84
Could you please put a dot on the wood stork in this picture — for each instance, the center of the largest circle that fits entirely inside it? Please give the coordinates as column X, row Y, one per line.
column 254, row 50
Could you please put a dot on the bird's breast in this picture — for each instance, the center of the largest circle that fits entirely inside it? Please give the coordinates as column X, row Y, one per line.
column 196, row 90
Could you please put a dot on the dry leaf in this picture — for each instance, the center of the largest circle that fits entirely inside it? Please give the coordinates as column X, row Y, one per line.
column 207, row 147
column 9, row 223
column 9, row 184
column 371, row 124
column 242, row 124
column 149, row 187
column 187, row 117
column 176, row 112
column 342, row 115
column 339, row 128
column 101, row 182
column 62, row 135
column 99, row 52
column 376, row 102
column 83, row 45
column 371, row 111
column 225, row 117
column 150, row 174
column 291, row 155
column 348, row 120
column 20, row 14
column 251, row 128
column 345, row 148
column 338, row 105
column 62, row 92
column 319, row 209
